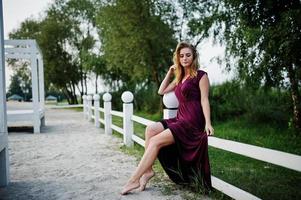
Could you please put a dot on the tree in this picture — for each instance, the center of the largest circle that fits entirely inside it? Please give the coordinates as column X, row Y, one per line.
column 136, row 43
column 95, row 64
column 51, row 36
column 23, row 72
column 82, row 13
column 29, row 29
column 15, row 86
column 20, row 83
column 54, row 41
column 65, row 39
column 263, row 36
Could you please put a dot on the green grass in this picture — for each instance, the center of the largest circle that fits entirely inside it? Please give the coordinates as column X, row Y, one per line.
column 161, row 180
column 139, row 129
column 154, row 117
column 261, row 179
column 117, row 121
column 76, row 109
column 263, row 135
column 267, row 181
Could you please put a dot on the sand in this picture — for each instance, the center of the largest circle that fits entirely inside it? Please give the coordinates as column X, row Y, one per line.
column 71, row 159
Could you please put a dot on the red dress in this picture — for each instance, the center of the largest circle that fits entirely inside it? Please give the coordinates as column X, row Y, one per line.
column 188, row 158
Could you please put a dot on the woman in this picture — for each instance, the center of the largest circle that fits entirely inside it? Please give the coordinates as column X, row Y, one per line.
column 180, row 143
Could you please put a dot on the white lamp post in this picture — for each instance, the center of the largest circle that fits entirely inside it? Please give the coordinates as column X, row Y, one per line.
column 4, row 162
column 171, row 103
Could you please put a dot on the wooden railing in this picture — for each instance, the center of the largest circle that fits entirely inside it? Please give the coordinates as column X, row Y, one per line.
column 91, row 113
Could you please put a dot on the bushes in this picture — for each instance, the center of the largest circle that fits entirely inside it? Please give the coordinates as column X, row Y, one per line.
column 228, row 101
column 146, row 99
column 269, row 106
column 232, row 100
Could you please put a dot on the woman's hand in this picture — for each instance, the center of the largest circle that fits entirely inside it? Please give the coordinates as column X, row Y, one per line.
column 167, row 86
column 172, row 69
column 209, row 130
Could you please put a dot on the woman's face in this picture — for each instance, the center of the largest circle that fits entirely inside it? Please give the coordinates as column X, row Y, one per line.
column 186, row 57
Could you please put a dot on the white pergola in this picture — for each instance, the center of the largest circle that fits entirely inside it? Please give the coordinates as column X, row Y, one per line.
column 4, row 162
column 29, row 49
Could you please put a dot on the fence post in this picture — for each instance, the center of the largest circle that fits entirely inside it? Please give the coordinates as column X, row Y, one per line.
column 107, row 106
column 96, row 110
column 89, row 99
column 171, row 103
column 128, row 126
column 85, row 106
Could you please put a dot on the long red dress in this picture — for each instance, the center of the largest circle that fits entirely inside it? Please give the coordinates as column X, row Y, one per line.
column 187, row 159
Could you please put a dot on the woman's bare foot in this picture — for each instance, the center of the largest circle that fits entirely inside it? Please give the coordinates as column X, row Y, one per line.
column 145, row 178
column 131, row 185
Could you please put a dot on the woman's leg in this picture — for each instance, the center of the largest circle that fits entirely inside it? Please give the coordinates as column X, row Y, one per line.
column 156, row 142
column 150, row 131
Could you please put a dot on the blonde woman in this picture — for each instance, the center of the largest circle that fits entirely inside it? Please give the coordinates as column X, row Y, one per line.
column 180, row 143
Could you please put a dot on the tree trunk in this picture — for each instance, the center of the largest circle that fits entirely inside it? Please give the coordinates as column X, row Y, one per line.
column 74, row 93
column 67, row 95
column 96, row 89
column 80, row 92
column 294, row 87
column 158, row 82
column 82, row 80
column 85, row 81
column 70, row 91
column 70, row 88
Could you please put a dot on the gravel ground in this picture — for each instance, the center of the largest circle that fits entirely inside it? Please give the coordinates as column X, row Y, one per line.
column 71, row 159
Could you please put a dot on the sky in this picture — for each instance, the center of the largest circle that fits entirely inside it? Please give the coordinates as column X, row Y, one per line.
column 16, row 11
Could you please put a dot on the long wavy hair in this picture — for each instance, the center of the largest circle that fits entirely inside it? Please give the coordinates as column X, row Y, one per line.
column 192, row 70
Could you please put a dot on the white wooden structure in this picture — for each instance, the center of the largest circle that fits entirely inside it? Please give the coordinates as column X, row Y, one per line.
column 29, row 49
column 4, row 162
column 283, row 159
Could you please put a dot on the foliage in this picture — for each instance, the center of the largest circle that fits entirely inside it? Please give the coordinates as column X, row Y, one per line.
column 263, row 37
column 83, row 39
column 147, row 99
column 20, row 81
column 64, row 43
column 258, row 106
column 15, row 86
column 136, row 42
column 53, row 91
column 138, row 37
column 272, row 106
column 227, row 101
column 60, row 69
column 95, row 64
column 50, row 35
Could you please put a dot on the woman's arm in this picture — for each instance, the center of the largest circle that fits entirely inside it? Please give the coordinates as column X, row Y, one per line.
column 204, row 87
column 166, row 85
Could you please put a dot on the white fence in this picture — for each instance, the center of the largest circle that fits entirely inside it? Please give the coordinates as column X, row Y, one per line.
column 91, row 113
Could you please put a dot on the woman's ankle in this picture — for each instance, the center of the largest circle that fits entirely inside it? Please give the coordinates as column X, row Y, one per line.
column 133, row 180
column 149, row 171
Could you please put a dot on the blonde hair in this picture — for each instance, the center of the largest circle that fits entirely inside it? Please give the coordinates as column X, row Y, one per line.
column 179, row 68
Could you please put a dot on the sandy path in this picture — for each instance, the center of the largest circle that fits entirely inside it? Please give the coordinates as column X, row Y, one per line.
column 70, row 159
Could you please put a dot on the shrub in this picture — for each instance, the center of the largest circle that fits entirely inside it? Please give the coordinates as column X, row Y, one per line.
column 262, row 105
column 227, row 101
